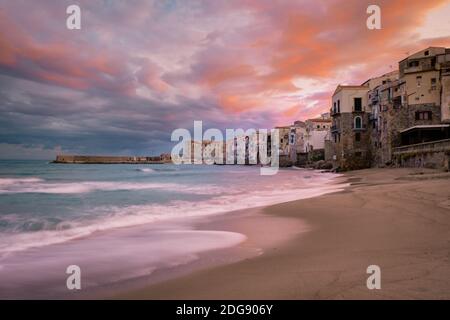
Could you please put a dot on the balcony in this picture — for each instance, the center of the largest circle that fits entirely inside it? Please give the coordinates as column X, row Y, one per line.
column 334, row 113
column 358, row 109
column 335, row 129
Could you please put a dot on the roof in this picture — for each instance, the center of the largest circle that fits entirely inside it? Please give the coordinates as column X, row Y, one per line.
column 319, row 120
column 425, row 126
column 415, row 54
column 340, row 87
column 387, row 74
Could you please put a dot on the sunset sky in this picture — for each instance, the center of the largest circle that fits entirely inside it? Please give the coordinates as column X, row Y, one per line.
column 139, row 69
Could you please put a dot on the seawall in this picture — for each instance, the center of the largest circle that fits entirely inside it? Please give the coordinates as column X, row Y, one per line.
column 78, row 159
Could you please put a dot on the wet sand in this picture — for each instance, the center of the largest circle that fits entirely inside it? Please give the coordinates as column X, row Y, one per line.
column 397, row 219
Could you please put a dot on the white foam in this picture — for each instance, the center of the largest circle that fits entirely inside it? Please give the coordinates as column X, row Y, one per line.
column 36, row 185
column 116, row 217
column 148, row 170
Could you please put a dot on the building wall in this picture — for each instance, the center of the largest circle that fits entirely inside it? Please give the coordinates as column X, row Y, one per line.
column 315, row 139
column 318, row 124
column 445, row 96
column 346, row 96
column 349, row 153
column 423, row 60
column 284, row 133
column 297, row 142
column 421, row 91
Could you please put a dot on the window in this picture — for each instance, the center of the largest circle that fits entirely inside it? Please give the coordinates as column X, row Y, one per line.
column 358, row 154
column 339, row 106
column 334, row 107
column 426, row 53
column 358, row 123
column 335, row 138
column 423, row 115
column 433, row 83
column 357, row 104
column 358, row 136
column 413, row 64
column 419, row 80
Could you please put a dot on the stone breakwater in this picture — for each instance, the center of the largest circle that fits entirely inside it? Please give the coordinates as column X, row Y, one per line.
column 112, row 159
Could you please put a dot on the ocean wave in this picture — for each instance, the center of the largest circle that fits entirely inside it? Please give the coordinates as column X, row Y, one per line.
column 119, row 217
column 145, row 170
column 36, row 185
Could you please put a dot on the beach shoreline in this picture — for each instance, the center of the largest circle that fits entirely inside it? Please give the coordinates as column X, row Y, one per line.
column 387, row 217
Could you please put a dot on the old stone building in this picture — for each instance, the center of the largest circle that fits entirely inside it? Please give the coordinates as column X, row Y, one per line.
column 350, row 147
column 373, row 123
column 297, row 137
column 412, row 109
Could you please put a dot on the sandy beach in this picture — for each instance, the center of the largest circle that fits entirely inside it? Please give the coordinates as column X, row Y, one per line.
column 398, row 219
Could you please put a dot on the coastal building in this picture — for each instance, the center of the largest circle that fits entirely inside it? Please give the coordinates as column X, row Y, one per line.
column 423, row 114
column 297, row 141
column 400, row 118
column 319, row 124
column 303, row 141
column 284, row 132
column 350, row 138
column 384, row 99
column 316, row 130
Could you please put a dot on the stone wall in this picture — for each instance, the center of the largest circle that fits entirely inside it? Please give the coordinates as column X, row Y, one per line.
column 434, row 155
column 350, row 153
column 392, row 120
column 107, row 159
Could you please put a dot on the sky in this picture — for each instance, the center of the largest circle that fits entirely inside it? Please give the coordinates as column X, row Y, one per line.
column 137, row 70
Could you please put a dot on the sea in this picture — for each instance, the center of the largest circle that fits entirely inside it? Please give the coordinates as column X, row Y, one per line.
column 120, row 221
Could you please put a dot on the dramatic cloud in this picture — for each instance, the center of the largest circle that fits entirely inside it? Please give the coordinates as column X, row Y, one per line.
column 139, row 69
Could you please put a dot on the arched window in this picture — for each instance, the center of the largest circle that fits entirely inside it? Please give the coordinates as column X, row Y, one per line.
column 358, row 123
